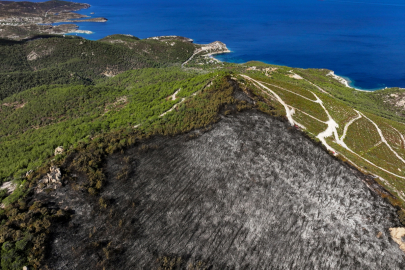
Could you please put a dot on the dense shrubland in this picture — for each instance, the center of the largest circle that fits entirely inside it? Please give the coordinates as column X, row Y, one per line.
column 72, row 60
column 26, row 224
column 37, row 120
column 61, row 98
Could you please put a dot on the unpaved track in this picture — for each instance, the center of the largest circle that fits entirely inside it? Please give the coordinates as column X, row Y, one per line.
column 287, row 110
column 291, row 92
column 319, row 88
column 383, row 138
column 402, row 136
column 172, row 108
column 191, row 57
column 348, row 125
column 331, row 130
column 313, row 117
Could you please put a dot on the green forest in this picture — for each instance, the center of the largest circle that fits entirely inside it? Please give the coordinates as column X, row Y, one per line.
column 34, row 122
column 72, row 60
column 55, row 92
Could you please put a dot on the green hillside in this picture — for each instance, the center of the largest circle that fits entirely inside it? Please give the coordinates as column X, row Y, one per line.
column 71, row 60
column 360, row 128
column 96, row 98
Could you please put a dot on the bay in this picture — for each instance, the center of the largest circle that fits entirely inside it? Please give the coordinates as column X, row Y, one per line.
column 360, row 40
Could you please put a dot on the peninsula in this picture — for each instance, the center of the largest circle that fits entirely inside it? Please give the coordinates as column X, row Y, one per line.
column 22, row 20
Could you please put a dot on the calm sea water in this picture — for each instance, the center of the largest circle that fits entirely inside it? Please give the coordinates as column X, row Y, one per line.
column 362, row 40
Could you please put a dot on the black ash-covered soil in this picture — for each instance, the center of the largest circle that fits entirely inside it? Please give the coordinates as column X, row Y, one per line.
column 251, row 193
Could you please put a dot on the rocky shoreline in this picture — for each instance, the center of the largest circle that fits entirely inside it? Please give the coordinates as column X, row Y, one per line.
column 208, row 50
column 345, row 82
column 23, row 20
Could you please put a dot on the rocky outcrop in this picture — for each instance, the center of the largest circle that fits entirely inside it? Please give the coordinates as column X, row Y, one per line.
column 109, row 73
column 28, row 173
column 396, row 100
column 215, row 47
column 59, row 150
column 9, row 186
column 51, row 179
column 398, row 235
column 32, row 56
column 166, row 38
column 207, row 50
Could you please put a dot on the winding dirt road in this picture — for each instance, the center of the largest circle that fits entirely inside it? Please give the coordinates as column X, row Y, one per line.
column 331, row 130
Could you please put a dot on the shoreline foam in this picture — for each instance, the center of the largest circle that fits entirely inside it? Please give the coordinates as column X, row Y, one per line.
column 82, row 32
column 346, row 83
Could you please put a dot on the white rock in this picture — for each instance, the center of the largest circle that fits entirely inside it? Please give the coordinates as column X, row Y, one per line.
column 59, row 150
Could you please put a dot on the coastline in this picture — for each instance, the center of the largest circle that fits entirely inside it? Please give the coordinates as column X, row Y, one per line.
column 346, row 83
column 87, row 32
column 341, row 79
column 212, row 55
column 213, row 48
column 20, row 21
column 251, row 44
column 75, row 16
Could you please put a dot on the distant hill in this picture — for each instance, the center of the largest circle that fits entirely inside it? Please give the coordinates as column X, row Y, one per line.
column 58, row 60
column 23, row 20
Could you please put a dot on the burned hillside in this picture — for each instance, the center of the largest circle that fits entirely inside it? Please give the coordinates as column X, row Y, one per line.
column 250, row 193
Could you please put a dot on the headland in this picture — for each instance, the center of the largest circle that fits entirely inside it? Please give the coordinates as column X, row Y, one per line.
column 23, row 20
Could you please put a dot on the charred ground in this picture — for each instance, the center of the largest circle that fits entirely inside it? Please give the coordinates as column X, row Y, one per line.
column 249, row 193
column 177, row 167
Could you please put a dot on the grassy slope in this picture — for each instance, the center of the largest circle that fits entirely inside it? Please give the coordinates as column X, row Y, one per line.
column 341, row 103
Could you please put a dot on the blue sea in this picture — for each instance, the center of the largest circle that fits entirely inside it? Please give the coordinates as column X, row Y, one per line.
column 361, row 40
